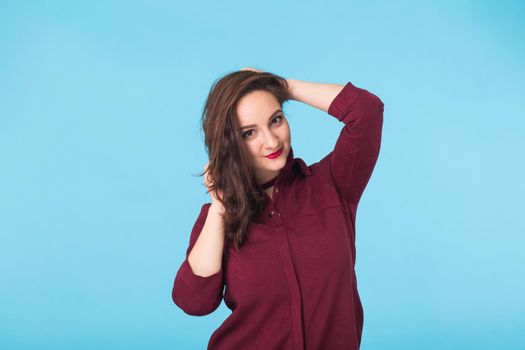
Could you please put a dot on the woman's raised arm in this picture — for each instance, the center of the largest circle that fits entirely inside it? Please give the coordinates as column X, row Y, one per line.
column 318, row 95
column 353, row 158
column 198, row 286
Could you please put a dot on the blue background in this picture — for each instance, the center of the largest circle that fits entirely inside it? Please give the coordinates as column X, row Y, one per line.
column 100, row 105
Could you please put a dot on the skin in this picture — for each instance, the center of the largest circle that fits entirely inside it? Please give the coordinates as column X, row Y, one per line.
column 267, row 136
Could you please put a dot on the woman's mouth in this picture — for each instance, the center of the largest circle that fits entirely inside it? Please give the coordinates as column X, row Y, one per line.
column 275, row 154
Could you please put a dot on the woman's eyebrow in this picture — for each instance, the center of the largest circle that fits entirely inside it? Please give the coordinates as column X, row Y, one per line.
column 254, row 125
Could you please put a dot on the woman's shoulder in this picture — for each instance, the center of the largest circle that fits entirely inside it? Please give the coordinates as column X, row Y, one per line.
column 318, row 169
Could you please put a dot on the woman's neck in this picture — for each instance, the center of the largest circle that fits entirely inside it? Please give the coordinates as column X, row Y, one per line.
column 269, row 184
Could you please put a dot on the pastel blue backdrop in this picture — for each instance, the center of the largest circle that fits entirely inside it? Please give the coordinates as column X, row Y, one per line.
column 100, row 106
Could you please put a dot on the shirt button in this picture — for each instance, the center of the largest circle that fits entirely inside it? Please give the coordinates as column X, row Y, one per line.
column 271, row 213
column 276, row 189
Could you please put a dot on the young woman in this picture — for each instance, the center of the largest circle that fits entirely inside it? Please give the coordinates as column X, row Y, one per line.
column 279, row 234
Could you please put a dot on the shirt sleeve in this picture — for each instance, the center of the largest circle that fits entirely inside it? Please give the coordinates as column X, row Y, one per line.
column 354, row 156
column 197, row 295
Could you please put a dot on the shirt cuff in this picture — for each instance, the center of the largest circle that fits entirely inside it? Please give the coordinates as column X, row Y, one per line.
column 199, row 283
column 344, row 100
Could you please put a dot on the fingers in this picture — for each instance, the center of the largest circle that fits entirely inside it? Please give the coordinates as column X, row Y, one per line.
column 208, row 181
column 207, row 177
column 252, row 69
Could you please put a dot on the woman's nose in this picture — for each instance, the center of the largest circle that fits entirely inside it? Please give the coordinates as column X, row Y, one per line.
column 270, row 141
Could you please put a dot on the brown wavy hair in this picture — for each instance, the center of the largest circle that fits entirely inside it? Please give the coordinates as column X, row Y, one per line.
column 230, row 167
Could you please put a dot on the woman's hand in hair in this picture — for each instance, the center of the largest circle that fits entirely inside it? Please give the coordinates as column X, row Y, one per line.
column 208, row 182
column 253, row 69
column 290, row 82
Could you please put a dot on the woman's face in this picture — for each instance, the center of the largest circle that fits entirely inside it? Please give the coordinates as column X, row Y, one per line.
column 264, row 130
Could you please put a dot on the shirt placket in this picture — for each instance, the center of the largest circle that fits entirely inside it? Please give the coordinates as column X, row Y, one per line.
column 278, row 224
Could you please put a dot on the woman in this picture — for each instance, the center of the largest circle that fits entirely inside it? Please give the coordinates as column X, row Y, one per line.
column 278, row 234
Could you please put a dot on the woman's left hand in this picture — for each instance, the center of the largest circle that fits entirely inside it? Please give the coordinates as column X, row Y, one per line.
column 253, row 69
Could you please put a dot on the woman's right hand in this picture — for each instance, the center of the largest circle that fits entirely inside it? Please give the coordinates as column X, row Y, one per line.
column 208, row 181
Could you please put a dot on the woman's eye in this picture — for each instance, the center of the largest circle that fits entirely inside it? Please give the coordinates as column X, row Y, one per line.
column 275, row 120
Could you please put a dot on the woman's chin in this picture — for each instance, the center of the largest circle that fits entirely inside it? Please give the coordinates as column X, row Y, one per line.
column 275, row 164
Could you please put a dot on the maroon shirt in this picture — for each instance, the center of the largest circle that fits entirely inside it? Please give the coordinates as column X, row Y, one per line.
column 293, row 285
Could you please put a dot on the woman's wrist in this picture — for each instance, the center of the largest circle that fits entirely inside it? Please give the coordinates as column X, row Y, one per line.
column 291, row 87
column 217, row 207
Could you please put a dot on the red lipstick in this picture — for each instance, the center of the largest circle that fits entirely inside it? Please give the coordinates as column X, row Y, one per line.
column 275, row 154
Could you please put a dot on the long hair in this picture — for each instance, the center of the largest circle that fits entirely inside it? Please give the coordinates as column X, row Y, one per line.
column 230, row 167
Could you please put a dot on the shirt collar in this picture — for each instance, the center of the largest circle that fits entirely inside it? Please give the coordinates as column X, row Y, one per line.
column 295, row 165
column 285, row 176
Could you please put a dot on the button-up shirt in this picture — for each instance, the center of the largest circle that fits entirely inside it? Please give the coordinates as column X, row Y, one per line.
column 292, row 285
